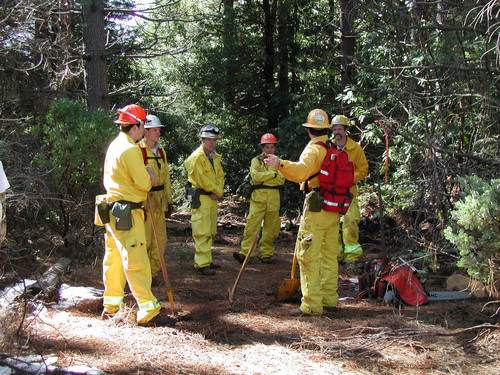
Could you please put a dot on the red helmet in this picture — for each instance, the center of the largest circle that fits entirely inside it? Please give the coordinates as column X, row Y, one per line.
column 131, row 114
column 268, row 138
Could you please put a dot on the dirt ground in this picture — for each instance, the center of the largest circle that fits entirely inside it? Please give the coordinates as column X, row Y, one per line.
column 257, row 335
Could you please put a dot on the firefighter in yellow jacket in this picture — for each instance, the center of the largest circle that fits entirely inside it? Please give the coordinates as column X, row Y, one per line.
column 206, row 177
column 127, row 181
column 318, row 232
column 160, row 194
column 264, row 204
column 350, row 248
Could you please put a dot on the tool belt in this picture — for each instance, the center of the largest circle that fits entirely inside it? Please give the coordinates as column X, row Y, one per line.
column 257, row 187
column 157, row 188
column 193, row 195
column 122, row 211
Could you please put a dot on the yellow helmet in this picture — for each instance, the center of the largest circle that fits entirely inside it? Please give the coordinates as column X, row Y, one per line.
column 318, row 119
column 340, row 120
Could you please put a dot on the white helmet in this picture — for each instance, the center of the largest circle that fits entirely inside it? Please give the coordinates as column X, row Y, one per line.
column 153, row 121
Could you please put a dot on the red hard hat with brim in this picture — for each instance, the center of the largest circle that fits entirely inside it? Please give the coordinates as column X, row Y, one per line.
column 131, row 114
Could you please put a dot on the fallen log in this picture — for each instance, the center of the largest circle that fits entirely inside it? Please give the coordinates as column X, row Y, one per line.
column 49, row 282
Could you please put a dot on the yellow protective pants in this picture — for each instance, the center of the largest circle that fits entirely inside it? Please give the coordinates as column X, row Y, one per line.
column 126, row 260
column 350, row 249
column 153, row 255
column 265, row 207
column 318, row 262
column 204, row 228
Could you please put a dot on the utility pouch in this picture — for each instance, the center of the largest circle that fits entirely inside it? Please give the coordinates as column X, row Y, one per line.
column 193, row 196
column 123, row 213
column 101, row 215
column 314, row 201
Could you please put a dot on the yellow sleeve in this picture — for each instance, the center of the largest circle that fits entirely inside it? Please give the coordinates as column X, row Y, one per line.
column 360, row 164
column 309, row 163
column 133, row 162
column 262, row 174
column 168, row 186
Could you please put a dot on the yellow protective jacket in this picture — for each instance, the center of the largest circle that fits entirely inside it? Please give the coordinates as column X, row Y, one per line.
column 162, row 198
column 261, row 174
column 202, row 175
column 358, row 158
column 309, row 163
column 125, row 175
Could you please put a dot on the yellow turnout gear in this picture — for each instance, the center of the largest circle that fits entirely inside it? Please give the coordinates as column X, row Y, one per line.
column 209, row 177
column 350, row 248
column 125, row 259
column 264, row 206
column 317, row 255
column 160, row 197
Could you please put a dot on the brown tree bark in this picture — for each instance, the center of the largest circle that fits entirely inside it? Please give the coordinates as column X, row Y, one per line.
column 96, row 70
column 283, row 68
column 269, row 8
column 347, row 40
column 228, row 40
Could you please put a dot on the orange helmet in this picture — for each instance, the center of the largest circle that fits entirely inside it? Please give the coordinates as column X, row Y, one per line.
column 268, row 138
column 131, row 114
column 317, row 119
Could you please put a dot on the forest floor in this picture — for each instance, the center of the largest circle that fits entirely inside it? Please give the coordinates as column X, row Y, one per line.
column 257, row 335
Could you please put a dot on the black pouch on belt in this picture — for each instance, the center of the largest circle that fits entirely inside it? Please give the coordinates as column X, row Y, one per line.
column 314, row 201
column 123, row 213
column 102, row 210
column 193, row 196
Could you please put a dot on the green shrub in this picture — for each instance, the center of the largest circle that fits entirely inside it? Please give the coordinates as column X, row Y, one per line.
column 73, row 143
column 475, row 230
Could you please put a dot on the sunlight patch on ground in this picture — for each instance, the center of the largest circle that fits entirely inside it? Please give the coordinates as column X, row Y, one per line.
column 11, row 292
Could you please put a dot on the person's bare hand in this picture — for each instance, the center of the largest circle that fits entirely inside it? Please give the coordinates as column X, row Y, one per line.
column 272, row 161
column 215, row 197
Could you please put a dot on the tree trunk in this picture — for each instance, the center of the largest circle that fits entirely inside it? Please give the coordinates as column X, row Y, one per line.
column 96, row 70
column 230, row 69
column 269, row 9
column 283, row 43
column 347, row 40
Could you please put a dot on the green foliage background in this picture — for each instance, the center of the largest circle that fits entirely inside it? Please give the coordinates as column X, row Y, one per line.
column 427, row 71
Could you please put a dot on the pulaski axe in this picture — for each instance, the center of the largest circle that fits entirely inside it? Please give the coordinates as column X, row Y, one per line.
column 245, row 262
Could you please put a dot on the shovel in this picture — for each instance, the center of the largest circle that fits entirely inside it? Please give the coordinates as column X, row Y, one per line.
column 290, row 286
column 162, row 260
column 245, row 262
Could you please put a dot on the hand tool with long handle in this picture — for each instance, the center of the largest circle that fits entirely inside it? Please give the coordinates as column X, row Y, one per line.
column 290, row 286
column 162, row 259
column 245, row 262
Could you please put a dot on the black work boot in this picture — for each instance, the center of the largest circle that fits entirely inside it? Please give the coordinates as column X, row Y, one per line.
column 206, row 271
column 239, row 257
